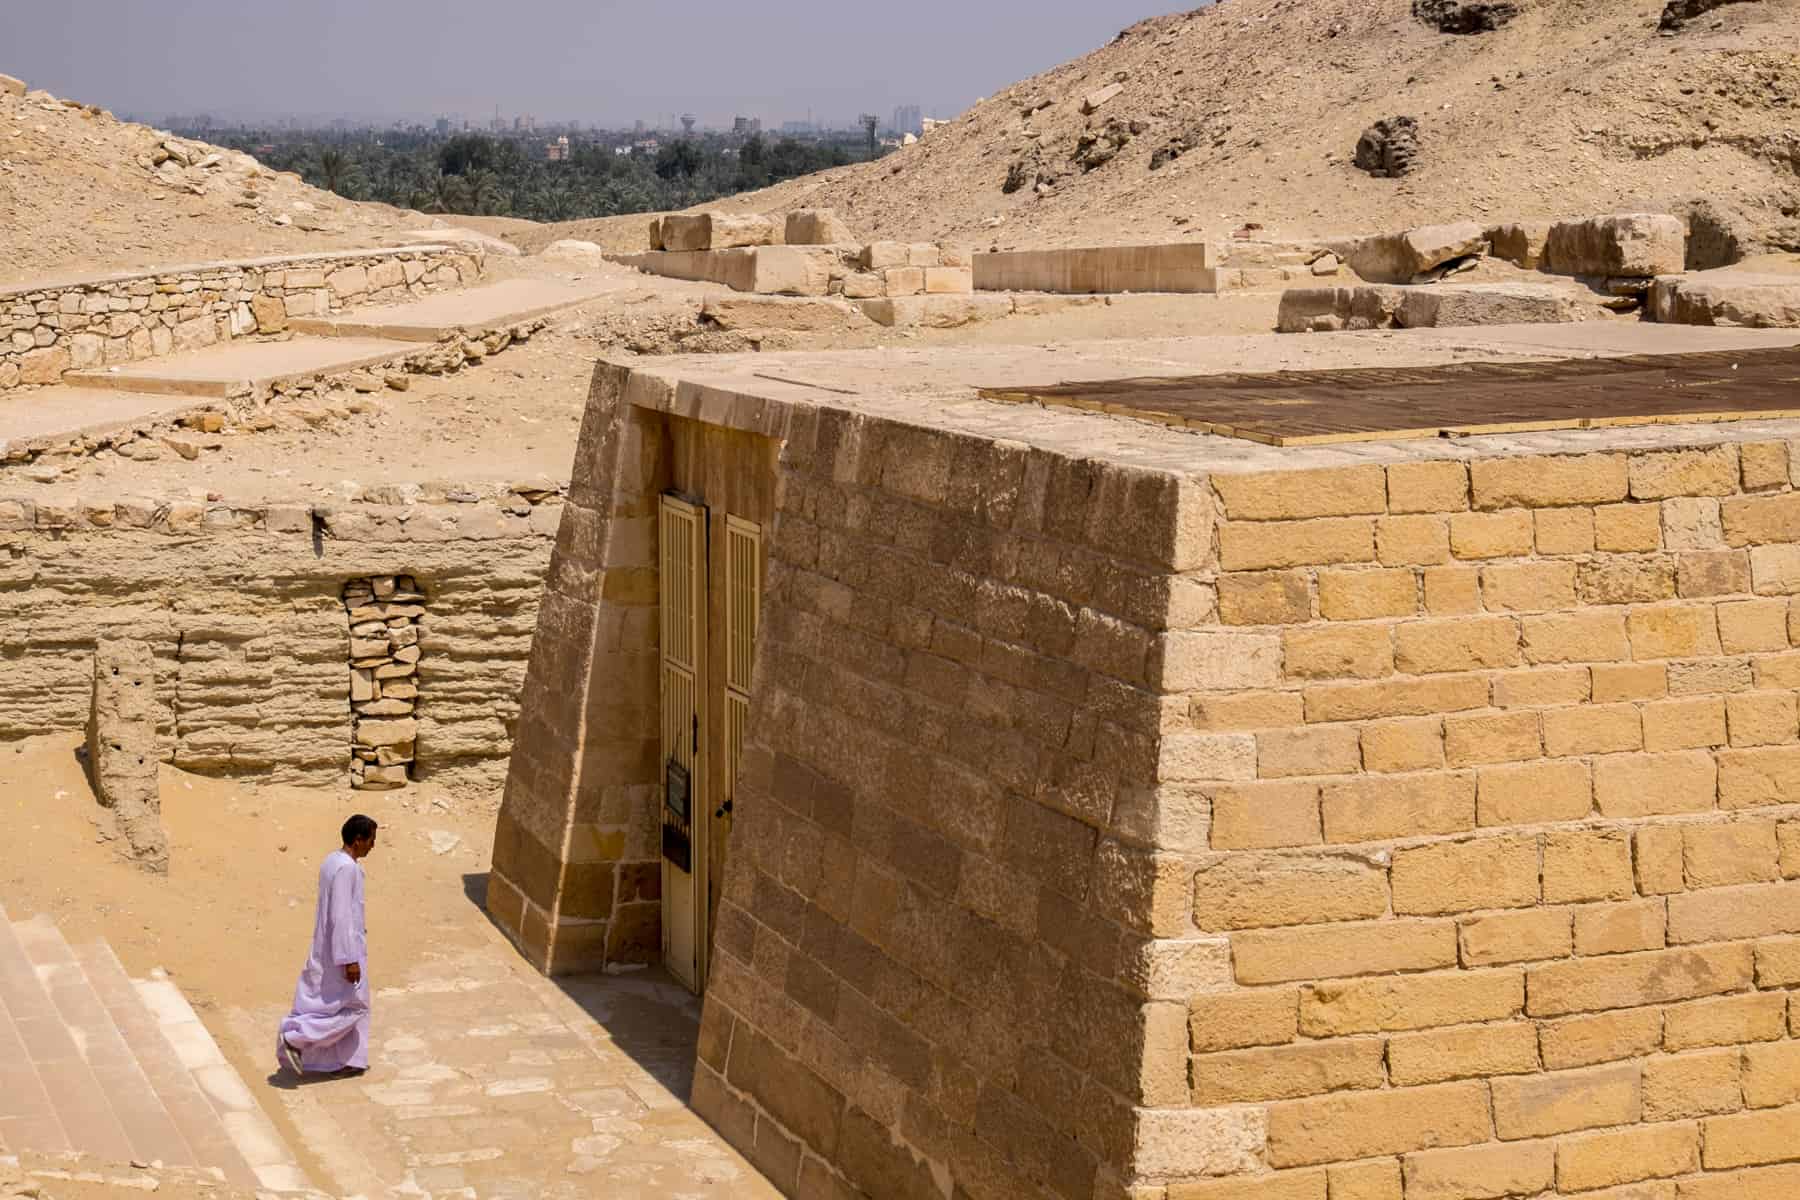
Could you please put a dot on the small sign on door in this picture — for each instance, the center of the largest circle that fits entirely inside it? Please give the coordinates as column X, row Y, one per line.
column 677, row 823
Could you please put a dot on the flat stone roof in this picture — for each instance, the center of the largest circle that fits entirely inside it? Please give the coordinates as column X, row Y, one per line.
column 939, row 387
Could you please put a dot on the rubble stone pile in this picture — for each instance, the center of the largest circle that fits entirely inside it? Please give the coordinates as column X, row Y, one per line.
column 1465, row 16
column 1387, row 148
column 46, row 329
column 384, row 679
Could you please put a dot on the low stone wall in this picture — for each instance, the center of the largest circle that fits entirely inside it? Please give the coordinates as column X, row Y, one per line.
column 1184, row 267
column 49, row 328
column 244, row 606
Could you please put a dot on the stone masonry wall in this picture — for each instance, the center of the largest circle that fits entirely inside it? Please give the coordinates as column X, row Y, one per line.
column 1490, row 799
column 46, row 329
column 931, row 968
column 243, row 607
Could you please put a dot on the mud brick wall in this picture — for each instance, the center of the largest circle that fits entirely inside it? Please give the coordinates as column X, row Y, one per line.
column 1494, row 788
column 49, row 328
column 243, row 607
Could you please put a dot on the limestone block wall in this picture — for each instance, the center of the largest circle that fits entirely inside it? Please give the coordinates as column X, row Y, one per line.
column 244, row 607
column 49, row 328
column 929, row 972
column 1488, row 786
column 931, row 964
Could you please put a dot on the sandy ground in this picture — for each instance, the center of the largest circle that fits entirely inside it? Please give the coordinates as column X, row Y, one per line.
column 562, row 1090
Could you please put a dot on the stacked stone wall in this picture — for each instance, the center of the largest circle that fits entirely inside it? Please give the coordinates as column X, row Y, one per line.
column 46, row 329
column 1490, row 784
column 243, row 605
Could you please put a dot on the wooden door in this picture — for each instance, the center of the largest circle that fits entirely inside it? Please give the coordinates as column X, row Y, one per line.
column 684, row 811
column 743, row 570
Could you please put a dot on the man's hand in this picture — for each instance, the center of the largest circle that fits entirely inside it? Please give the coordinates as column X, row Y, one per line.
column 353, row 972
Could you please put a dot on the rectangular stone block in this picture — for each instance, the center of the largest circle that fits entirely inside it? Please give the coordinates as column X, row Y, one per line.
column 1606, row 1037
column 1287, row 1072
column 1544, row 1105
column 949, row 281
column 1548, row 481
column 1450, row 877
column 1629, row 981
column 1627, row 1156
column 1295, row 495
column 1266, row 816
column 1683, row 1086
column 1472, row 643
column 1235, row 1020
column 1496, row 939
column 1252, row 891
column 1425, row 487
column 1407, row 1002
column 1253, row 546
column 1534, row 793
column 1369, row 1124
column 1751, row 1139
column 1643, row 785
column 1343, row 950
column 1404, row 806
column 1480, row 1171
column 1479, row 1052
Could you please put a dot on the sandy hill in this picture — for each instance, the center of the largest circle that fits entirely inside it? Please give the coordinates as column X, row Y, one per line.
column 1572, row 107
column 82, row 192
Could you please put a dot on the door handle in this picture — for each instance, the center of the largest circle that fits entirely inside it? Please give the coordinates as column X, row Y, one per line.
column 724, row 809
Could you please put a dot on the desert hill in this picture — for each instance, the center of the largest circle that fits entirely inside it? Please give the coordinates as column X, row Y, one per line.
column 82, row 193
column 1572, row 107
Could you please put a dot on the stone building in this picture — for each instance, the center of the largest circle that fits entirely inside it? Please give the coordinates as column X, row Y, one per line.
column 1093, row 797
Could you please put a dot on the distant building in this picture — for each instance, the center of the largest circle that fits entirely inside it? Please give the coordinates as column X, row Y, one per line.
column 557, row 151
column 443, row 126
column 908, row 119
column 747, row 126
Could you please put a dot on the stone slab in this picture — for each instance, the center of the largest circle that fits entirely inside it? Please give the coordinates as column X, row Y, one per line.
column 226, row 370
column 489, row 306
column 35, row 418
column 1179, row 267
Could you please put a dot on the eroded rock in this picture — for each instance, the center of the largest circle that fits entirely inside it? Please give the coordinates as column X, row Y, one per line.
column 1387, row 148
column 1680, row 12
column 122, row 748
column 1465, row 16
column 1414, row 253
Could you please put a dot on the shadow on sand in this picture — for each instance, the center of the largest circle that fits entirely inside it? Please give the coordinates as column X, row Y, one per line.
column 648, row 1016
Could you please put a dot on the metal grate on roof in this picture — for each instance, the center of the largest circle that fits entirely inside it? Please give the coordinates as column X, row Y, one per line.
column 1309, row 408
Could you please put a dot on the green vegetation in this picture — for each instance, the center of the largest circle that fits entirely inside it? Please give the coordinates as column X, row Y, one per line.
column 511, row 176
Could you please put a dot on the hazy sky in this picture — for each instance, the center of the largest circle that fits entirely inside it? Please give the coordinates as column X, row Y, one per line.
column 605, row 60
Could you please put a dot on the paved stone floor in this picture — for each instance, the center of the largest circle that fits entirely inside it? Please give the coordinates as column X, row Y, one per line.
column 487, row 1080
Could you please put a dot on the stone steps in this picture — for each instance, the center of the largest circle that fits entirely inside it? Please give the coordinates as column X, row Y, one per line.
column 239, row 368
column 94, row 1063
column 487, row 306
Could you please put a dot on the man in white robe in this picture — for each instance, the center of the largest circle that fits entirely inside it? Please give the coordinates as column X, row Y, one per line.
column 328, row 1030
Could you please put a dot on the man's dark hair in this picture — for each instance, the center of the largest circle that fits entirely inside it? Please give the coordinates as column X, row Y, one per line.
column 358, row 827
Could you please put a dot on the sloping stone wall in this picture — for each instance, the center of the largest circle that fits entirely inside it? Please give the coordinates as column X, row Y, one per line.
column 1424, row 826
column 49, row 328
column 243, row 607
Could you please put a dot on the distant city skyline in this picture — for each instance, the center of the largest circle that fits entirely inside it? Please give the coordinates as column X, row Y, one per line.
column 606, row 62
